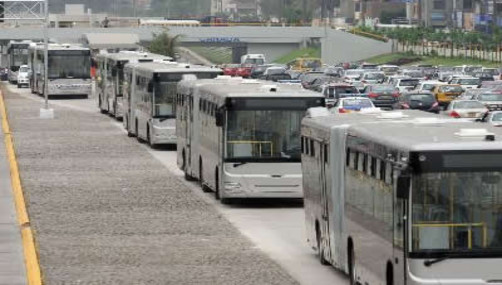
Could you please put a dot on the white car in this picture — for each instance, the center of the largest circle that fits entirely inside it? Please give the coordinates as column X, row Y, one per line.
column 352, row 104
column 428, row 85
column 23, row 76
column 467, row 82
column 373, row 78
column 405, row 84
column 471, row 109
column 353, row 75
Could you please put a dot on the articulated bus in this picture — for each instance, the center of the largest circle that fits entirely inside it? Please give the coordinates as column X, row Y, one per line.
column 149, row 98
column 399, row 199
column 241, row 139
column 69, row 70
column 110, row 77
column 17, row 55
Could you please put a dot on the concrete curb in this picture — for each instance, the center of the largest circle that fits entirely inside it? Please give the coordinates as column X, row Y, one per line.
column 30, row 253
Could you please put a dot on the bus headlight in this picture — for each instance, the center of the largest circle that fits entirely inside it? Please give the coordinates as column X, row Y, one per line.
column 232, row 186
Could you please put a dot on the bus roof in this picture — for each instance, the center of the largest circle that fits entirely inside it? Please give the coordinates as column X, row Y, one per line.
column 413, row 130
column 173, row 67
column 250, row 88
column 133, row 55
column 57, row 47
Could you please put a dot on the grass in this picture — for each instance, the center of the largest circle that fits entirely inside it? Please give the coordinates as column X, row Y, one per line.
column 306, row 52
column 434, row 60
column 216, row 55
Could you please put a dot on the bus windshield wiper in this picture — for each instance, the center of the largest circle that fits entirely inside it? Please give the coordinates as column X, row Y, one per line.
column 239, row 164
column 430, row 262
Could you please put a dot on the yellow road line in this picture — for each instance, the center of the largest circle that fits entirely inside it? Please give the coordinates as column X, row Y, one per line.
column 30, row 253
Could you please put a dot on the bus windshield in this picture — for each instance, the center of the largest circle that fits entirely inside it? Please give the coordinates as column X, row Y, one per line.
column 264, row 135
column 69, row 66
column 457, row 212
column 18, row 57
column 163, row 101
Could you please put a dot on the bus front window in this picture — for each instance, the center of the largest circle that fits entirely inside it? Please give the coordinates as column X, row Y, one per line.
column 264, row 134
column 163, row 101
column 457, row 212
column 69, row 66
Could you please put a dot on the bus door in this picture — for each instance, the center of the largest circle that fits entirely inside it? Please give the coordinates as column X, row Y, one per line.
column 400, row 226
column 324, row 226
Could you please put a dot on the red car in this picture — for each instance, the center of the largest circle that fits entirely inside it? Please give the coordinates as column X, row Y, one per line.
column 244, row 71
column 231, row 69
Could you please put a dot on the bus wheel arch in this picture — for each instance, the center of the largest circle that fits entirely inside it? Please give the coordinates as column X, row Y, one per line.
column 201, row 176
column 217, row 193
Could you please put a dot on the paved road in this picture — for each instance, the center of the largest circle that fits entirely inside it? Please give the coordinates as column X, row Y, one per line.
column 275, row 228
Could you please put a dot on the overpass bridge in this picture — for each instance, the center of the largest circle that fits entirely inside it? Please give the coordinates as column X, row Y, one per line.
column 272, row 41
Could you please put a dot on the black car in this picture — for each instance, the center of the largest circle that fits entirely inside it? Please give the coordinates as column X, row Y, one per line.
column 484, row 76
column 258, row 71
column 277, row 76
column 383, row 96
column 425, row 101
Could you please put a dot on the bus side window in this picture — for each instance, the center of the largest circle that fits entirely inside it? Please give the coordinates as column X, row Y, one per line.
column 364, row 163
column 373, row 167
column 307, row 150
column 355, row 155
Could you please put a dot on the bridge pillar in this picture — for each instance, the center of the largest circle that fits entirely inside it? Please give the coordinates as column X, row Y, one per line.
column 238, row 51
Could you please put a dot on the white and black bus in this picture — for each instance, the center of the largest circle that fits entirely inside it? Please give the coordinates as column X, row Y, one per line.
column 241, row 139
column 69, row 70
column 110, row 77
column 17, row 56
column 400, row 199
column 149, row 98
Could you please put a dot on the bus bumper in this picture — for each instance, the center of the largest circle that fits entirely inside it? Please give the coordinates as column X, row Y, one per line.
column 70, row 89
column 163, row 135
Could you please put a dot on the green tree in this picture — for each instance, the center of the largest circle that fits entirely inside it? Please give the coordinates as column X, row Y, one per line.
column 164, row 44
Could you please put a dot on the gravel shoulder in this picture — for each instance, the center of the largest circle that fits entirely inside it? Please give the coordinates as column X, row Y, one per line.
column 105, row 211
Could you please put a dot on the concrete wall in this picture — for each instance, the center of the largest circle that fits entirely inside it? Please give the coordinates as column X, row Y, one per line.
column 340, row 46
column 272, row 51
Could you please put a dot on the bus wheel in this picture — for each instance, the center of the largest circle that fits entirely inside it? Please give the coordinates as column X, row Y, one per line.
column 129, row 134
column 390, row 274
column 184, row 167
column 100, row 106
column 320, row 247
column 201, row 176
column 352, row 265
column 148, row 137
column 137, row 133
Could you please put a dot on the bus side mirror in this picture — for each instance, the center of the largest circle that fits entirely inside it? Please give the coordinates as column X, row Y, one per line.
column 219, row 116
column 403, row 187
column 150, row 87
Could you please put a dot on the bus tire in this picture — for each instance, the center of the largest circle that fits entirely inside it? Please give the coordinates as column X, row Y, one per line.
column 320, row 247
column 137, row 133
column 352, row 264
column 19, row 86
column 201, row 177
column 100, row 105
column 129, row 134
column 389, row 274
column 148, row 137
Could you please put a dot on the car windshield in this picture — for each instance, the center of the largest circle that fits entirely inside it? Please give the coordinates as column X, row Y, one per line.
column 497, row 117
column 408, row 82
column 374, row 76
column 421, row 97
column 468, row 105
column 264, row 134
column 428, row 86
column 457, row 211
column 472, row 81
column 447, row 89
column 352, row 73
column 385, row 88
column 490, row 97
column 491, row 71
column 164, row 95
column 357, row 103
